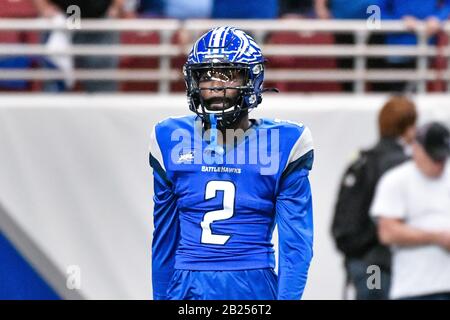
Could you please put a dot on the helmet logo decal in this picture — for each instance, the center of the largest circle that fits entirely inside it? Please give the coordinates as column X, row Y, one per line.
column 257, row 69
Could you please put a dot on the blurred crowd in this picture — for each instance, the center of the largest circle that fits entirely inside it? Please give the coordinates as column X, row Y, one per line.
column 433, row 12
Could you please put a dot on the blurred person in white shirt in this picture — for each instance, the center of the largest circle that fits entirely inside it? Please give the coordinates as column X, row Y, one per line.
column 412, row 209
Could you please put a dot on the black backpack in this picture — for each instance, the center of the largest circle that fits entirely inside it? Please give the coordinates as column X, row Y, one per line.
column 353, row 229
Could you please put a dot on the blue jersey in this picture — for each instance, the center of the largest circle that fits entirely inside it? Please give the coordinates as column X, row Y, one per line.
column 216, row 208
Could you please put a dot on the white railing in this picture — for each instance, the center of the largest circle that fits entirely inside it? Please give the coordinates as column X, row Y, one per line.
column 166, row 28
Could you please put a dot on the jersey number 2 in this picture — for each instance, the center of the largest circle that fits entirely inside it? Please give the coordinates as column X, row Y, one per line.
column 227, row 212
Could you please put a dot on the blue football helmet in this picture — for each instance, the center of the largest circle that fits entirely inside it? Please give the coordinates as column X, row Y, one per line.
column 225, row 55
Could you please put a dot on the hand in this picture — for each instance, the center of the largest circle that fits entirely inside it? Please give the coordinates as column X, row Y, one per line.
column 322, row 12
column 185, row 38
column 50, row 11
column 432, row 26
column 114, row 12
column 130, row 15
column 442, row 239
column 410, row 22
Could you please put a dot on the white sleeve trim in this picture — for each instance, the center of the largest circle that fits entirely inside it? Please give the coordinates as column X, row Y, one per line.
column 155, row 150
column 302, row 146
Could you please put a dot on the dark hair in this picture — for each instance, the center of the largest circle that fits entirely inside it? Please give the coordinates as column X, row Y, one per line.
column 396, row 116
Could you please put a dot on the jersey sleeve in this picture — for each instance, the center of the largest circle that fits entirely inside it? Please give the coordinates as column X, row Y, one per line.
column 165, row 220
column 294, row 216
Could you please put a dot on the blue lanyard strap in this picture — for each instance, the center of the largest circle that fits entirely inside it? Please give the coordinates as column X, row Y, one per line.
column 213, row 149
column 213, row 138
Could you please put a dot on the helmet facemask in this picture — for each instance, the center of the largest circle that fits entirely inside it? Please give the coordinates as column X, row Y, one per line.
column 229, row 84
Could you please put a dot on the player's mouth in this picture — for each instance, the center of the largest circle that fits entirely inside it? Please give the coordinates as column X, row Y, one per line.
column 218, row 104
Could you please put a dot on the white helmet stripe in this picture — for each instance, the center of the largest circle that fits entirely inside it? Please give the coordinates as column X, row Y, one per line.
column 217, row 39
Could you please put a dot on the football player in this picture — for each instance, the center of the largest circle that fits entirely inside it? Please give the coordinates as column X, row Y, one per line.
column 222, row 181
